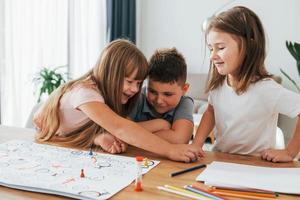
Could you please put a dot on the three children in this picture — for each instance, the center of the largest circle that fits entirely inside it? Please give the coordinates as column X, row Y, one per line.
column 244, row 100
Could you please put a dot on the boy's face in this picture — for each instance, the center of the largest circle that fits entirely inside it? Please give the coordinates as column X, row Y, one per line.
column 164, row 97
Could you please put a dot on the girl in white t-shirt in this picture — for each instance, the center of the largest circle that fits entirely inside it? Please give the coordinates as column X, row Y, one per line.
column 92, row 109
column 244, row 100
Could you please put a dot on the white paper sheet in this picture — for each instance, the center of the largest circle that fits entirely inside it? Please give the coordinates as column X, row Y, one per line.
column 49, row 169
column 282, row 180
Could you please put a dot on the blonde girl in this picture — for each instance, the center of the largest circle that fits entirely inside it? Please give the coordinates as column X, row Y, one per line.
column 244, row 100
column 92, row 109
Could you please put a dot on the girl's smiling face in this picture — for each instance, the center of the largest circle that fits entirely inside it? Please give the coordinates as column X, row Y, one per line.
column 226, row 54
column 131, row 86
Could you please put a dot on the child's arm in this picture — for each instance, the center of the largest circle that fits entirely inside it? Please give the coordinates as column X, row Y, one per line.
column 180, row 132
column 206, row 125
column 288, row 154
column 155, row 125
column 132, row 133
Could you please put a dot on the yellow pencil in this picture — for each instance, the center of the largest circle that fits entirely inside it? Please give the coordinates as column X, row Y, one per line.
column 177, row 192
column 187, row 192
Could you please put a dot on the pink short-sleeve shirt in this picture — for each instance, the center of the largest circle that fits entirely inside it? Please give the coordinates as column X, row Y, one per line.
column 71, row 117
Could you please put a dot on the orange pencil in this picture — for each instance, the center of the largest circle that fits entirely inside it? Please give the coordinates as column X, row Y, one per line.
column 246, row 190
column 229, row 194
column 268, row 195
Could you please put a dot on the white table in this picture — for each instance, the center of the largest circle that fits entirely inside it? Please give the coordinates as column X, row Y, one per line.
column 9, row 133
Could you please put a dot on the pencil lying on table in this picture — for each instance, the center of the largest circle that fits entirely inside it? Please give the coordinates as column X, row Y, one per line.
column 200, row 196
column 204, row 192
column 245, row 190
column 244, row 194
column 187, row 170
column 254, row 192
column 181, row 193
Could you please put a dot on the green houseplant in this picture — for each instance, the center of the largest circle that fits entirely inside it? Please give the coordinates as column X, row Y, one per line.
column 48, row 80
column 294, row 49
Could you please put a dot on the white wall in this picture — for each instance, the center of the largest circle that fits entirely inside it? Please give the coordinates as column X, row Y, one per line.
column 177, row 23
column 1, row 45
column 174, row 23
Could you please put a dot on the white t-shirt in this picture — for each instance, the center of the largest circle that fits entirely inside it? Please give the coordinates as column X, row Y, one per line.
column 246, row 123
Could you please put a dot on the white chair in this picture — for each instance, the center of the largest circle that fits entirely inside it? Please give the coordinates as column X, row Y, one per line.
column 279, row 139
column 29, row 122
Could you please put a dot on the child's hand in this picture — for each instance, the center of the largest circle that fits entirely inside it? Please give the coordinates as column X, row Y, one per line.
column 110, row 143
column 185, row 152
column 199, row 147
column 124, row 145
column 276, row 155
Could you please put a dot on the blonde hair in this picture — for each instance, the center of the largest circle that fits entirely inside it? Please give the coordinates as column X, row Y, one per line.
column 117, row 61
column 245, row 26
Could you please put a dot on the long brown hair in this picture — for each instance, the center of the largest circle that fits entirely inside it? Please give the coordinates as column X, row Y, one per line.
column 117, row 61
column 243, row 24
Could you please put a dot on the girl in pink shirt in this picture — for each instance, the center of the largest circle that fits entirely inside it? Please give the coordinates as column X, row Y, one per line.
column 92, row 109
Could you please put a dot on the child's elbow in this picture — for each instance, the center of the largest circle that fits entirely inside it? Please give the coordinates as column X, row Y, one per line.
column 37, row 121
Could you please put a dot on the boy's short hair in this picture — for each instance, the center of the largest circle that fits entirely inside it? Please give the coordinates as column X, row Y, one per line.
column 167, row 66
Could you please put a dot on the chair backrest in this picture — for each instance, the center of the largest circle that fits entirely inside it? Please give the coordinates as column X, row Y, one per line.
column 280, row 144
column 197, row 86
column 29, row 122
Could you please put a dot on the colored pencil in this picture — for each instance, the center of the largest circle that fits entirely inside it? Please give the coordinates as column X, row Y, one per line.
column 187, row 170
column 186, row 191
column 198, row 188
column 246, row 190
column 229, row 194
column 204, row 193
column 177, row 192
column 258, row 194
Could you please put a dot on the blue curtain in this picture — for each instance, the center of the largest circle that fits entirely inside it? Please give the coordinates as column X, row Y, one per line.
column 121, row 20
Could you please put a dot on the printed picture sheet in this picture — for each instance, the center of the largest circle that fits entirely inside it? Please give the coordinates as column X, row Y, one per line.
column 56, row 170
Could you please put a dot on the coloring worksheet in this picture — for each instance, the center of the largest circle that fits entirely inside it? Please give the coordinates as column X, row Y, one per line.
column 74, row 173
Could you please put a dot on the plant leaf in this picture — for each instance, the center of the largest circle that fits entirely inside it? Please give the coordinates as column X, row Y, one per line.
column 48, row 80
column 298, row 67
column 297, row 49
column 291, row 49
